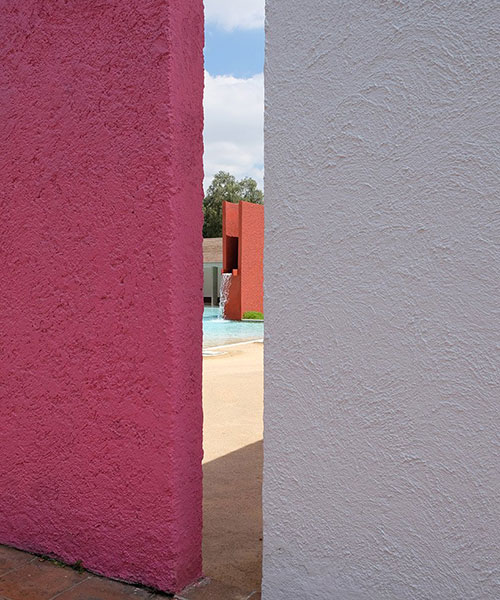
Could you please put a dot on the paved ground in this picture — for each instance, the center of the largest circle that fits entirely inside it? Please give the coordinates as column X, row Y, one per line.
column 232, row 496
column 233, row 405
column 27, row 577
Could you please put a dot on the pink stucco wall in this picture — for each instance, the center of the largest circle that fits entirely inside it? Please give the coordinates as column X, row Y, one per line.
column 101, row 284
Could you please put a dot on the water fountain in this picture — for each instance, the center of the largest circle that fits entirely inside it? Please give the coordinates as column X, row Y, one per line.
column 225, row 284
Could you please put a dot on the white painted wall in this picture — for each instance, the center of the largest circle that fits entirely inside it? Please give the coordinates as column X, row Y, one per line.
column 208, row 278
column 382, row 418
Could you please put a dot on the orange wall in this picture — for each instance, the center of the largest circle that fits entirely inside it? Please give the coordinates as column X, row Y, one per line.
column 246, row 222
column 230, row 219
column 232, row 310
column 252, row 256
column 231, row 227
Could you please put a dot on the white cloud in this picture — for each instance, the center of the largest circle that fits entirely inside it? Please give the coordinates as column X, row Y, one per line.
column 234, row 124
column 233, row 14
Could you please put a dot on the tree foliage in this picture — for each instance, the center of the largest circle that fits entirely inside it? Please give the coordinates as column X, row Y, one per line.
column 225, row 188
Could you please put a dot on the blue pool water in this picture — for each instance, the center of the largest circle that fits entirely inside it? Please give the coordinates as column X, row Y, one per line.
column 218, row 332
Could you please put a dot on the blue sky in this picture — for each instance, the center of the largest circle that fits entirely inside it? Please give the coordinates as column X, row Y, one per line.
column 234, row 88
column 239, row 52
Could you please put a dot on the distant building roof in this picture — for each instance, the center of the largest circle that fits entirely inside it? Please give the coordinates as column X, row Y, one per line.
column 212, row 250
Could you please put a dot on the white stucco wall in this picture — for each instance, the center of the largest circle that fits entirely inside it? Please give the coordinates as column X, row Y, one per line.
column 382, row 400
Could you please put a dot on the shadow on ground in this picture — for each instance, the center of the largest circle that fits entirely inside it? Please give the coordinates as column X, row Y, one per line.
column 232, row 531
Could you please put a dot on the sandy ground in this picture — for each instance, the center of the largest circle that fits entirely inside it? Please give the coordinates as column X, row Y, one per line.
column 233, row 405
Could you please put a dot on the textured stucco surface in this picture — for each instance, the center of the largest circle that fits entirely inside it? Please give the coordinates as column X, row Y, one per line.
column 252, row 257
column 382, row 413
column 101, row 277
column 244, row 221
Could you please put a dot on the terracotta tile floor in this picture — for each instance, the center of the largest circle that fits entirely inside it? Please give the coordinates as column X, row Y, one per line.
column 24, row 576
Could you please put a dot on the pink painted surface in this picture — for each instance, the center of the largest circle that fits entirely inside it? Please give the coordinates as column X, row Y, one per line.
column 101, row 293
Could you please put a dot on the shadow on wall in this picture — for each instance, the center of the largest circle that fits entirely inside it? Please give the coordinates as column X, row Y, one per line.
column 232, row 514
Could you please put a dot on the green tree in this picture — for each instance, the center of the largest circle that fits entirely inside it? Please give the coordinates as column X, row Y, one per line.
column 225, row 188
